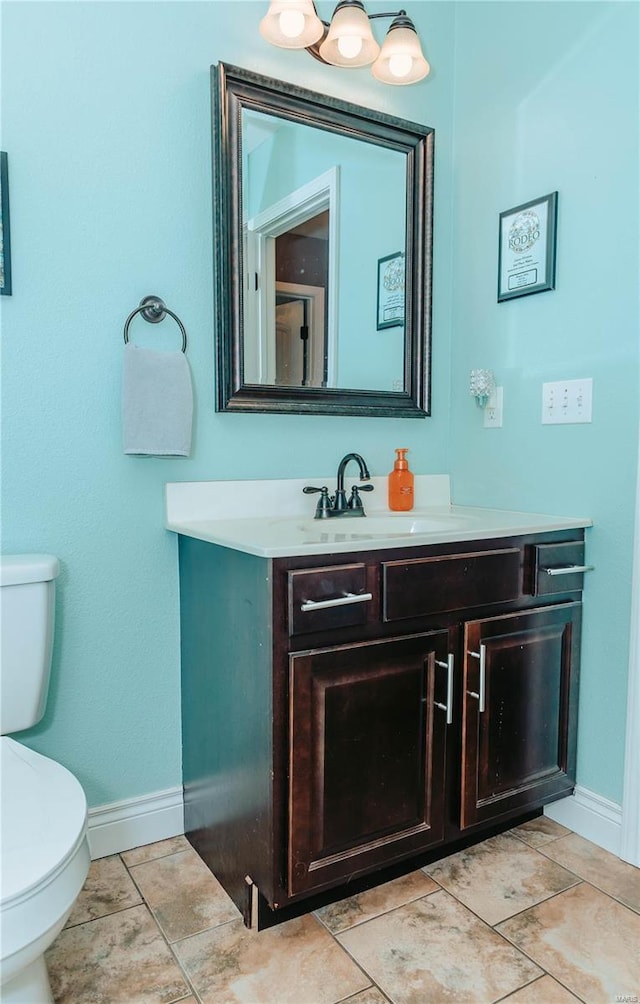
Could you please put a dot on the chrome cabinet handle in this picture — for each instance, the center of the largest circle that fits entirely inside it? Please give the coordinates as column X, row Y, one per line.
column 482, row 656
column 448, row 707
column 568, row 569
column 339, row 601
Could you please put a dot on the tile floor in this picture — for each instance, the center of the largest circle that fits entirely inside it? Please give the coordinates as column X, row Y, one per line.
column 533, row 916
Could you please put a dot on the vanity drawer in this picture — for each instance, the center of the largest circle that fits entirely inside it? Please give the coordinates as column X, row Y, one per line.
column 321, row 599
column 424, row 586
column 557, row 568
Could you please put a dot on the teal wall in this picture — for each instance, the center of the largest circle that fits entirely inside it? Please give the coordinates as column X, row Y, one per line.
column 105, row 116
column 106, row 119
column 558, row 111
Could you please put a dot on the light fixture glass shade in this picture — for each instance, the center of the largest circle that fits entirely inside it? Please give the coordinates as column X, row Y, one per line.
column 401, row 60
column 350, row 41
column 291, row 24
column 481, row 386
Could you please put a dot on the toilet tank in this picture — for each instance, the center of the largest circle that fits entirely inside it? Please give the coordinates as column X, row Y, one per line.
column 27, row 600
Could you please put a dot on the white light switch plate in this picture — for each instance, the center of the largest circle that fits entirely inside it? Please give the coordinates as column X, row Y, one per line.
column 567, row 401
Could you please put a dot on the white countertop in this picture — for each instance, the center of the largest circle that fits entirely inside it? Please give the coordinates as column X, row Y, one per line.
column 273, row 519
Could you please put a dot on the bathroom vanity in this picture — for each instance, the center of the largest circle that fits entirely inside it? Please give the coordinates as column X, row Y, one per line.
column 355, row 698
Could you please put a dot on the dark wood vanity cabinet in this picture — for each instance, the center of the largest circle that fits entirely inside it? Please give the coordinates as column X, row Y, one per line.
column 366, row 757
column 518, row 710
column 343, row 713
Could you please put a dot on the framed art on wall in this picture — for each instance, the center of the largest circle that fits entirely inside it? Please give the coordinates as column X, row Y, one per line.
column 527, row 248
column 5, row 240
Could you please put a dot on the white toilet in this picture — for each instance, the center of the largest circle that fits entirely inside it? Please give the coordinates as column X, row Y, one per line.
column 44, row 850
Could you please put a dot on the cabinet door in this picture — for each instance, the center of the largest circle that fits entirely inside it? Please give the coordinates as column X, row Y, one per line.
column 367, row 755
column 519, row 711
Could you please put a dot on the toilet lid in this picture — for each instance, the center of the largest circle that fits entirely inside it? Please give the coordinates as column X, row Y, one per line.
column 44, row 814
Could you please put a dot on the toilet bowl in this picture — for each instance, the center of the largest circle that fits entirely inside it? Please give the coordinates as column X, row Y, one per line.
column 44, row 851
column 45, row 860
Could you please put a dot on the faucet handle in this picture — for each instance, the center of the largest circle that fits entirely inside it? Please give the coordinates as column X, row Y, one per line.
column 324, row 502
column 355, row 502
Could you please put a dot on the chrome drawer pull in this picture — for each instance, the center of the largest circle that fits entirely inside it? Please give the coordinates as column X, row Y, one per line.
column 568, row 569
column 482, row 656
column 448, row 707
column 339, row 601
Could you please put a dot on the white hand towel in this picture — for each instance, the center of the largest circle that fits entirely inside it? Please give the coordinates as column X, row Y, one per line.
column 157, row 403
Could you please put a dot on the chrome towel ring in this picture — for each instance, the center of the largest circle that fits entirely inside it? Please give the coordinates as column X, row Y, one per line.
column 153, row 309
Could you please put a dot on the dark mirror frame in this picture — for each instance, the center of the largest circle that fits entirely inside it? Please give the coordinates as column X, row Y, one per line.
column 234, row 89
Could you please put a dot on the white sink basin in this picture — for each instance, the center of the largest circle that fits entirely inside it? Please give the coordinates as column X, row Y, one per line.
column 381, row 526
column 408, row 523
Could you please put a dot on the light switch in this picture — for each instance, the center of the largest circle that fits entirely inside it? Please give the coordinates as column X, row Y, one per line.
column 566, row 402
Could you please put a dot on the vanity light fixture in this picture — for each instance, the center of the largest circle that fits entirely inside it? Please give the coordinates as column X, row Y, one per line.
column 292, row 24
column 482, row 386
column 348, row 40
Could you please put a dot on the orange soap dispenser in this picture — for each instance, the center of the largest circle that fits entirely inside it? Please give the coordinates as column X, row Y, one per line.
column 401, row 484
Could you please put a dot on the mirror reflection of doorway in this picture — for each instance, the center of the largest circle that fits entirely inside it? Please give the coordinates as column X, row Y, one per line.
column 302, row 277
column 291, row 248
column 301, row 354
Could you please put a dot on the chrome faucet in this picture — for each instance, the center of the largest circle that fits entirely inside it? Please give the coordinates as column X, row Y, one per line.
column 338, row 505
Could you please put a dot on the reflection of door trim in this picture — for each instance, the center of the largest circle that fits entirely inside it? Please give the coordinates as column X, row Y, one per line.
column 296, row 207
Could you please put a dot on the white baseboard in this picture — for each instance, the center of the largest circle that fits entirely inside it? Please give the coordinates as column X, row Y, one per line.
column 120, row 826
column 591, row 816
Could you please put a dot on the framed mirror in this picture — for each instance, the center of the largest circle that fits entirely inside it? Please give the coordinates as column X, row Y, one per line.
column 322, row 252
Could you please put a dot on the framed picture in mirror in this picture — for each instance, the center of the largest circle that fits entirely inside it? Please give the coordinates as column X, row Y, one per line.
column 391, row 284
